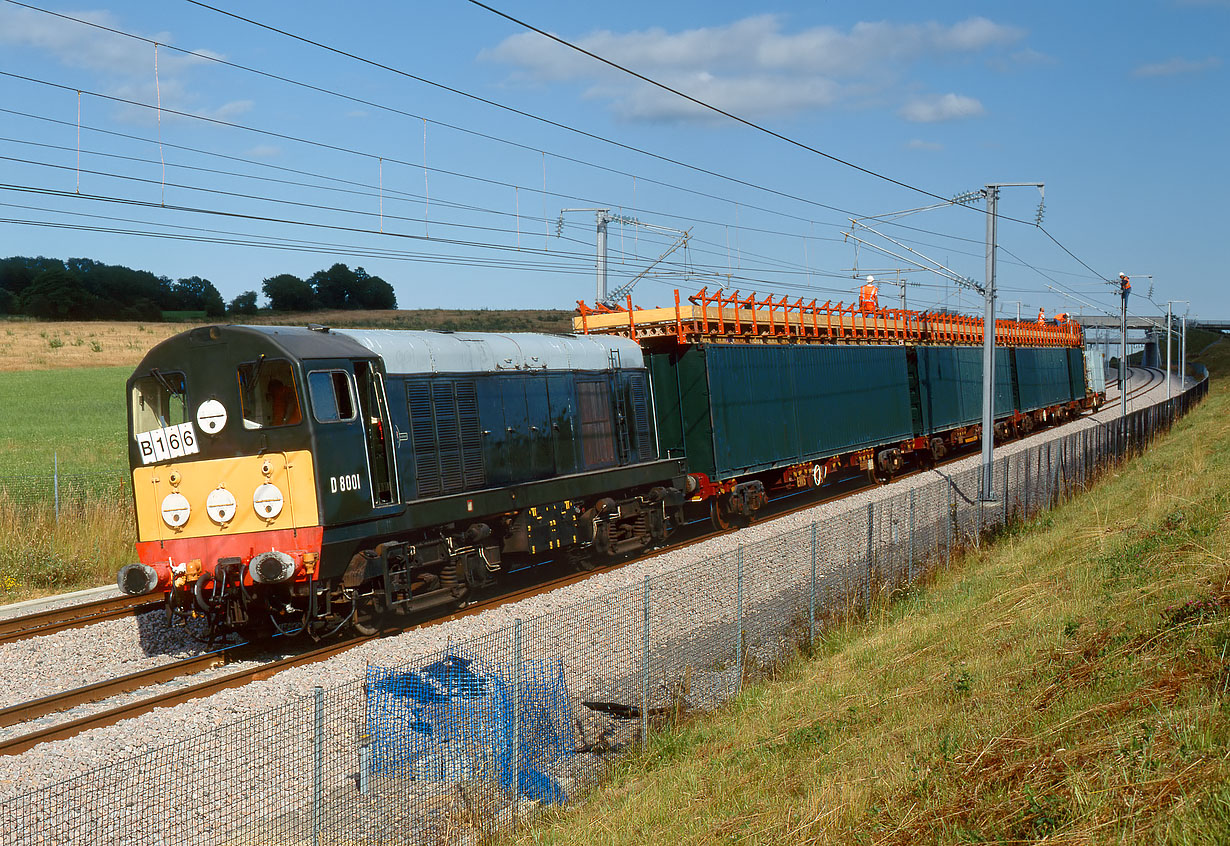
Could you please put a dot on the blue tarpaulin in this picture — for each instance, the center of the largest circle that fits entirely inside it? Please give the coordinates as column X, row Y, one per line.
column 453, row 719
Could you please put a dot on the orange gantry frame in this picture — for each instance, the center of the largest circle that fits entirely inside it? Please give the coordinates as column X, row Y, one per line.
column 720, row 316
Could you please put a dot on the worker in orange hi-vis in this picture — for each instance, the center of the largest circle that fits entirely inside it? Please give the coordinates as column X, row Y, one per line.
column 1062, row 317
column 1041, row 316
column 868, row 296
column 1125, row 287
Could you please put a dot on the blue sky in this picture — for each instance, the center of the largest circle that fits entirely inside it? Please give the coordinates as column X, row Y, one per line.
column 1121, row 109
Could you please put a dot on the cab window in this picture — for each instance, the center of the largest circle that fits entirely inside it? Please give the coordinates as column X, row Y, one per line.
column 332, row 395
column 268, row 394
column 158, row 402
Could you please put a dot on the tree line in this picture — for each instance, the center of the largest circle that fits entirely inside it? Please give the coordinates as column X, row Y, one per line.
column 84, row 289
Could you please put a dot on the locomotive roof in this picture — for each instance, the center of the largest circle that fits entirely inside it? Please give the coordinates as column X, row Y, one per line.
column 419, row 351
column 406, row 351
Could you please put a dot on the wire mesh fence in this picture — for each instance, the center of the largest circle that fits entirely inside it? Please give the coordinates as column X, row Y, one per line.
column 452, row 746
column 53, row 492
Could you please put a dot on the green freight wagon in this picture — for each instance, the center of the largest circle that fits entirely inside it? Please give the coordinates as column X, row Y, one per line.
column 735, row 409
column 1043, row 379
column 950, row 386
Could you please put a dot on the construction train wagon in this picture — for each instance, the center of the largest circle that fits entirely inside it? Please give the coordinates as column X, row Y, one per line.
column 764, row 396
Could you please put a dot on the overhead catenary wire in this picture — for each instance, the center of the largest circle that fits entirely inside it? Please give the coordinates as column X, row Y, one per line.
column 477, row 133
column 563, row 157
column 369, row 155
column 749, row 123
column 594, row 136
column 779, row 267
column 543, row 153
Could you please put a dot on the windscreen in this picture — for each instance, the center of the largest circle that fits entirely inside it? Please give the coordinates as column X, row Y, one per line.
column 160, row 423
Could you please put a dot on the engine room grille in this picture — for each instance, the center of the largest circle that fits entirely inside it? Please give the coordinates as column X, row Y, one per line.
column 447, row 442
column 642, row 433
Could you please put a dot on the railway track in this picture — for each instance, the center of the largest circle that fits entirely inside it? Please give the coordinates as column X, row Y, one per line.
column 74, row 617
column 101, row 690
column 1155, row 377
column 23, row 712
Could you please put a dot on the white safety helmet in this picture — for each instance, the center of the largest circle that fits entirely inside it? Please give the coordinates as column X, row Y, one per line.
column 870, row 279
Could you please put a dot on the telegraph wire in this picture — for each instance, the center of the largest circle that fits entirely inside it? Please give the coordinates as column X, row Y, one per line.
column 443, row 124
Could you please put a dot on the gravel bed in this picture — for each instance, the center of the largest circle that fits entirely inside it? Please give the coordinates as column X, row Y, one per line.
column 61, row 661
column 592, row 625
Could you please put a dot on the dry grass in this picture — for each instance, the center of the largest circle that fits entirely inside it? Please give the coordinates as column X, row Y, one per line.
column 1069, row 683
column 40, row 556
column 40, row 345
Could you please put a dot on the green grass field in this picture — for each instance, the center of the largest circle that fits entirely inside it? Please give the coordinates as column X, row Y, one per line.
column 75, row 414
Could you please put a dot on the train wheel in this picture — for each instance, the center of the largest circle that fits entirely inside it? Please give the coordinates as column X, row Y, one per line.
column 371, row 616
column 718, row 514
column 879, row 477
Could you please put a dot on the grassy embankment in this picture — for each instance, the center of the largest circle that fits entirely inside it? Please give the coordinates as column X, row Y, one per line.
column 1069, row 682
column 62, row 396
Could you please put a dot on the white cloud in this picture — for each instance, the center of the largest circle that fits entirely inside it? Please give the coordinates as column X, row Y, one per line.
column 1177, row 65
column 264, row 151
column 123, row 67
column 941, row 108
column 1030, row 56
column 751, row 66
column 929, row 146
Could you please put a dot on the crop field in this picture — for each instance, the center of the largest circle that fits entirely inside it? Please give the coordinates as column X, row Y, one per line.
column 38, row 345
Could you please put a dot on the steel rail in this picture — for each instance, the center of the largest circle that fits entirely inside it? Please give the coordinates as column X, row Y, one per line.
column 67, row 729
column 73, row 617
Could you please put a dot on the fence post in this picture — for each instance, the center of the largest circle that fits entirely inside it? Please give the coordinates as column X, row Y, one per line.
column 55, row 481
column 870, row 552
column 948, row 525
column 1025, row 507
column 365, row 764
column 1007, row 486
column 318, row 763
column 909, row 573
column 515, row 762
column 811, row 603
column 739, row 625
column 645, row 667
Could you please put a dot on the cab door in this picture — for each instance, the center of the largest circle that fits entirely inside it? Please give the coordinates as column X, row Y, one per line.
column 352, row 439
column 377, row 433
